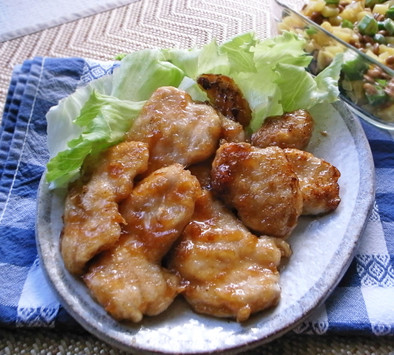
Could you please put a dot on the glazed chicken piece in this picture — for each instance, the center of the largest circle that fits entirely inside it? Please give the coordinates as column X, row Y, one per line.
column 229, row 272
column 261, row 185
column 129, row 280
column 202, row 171
column 232, row 131
column 128, row 284
column 224, row 94
column 290, row 130
column 159, row 208
column 176, row 129
column 318, row 182
column 92, row 221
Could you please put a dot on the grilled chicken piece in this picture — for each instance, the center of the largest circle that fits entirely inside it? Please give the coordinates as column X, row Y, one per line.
column 226, row 97
column 129, row 280
column 159, row 208
column 92, row 221
column 128, row 285
column 290, row 130
column 229, row 272
column 232, row 131
column 260, row 184
column 202, row 171
column 176, row 129
column 318, row 182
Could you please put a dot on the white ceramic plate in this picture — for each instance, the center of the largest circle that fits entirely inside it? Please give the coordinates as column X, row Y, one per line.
column 322, row 250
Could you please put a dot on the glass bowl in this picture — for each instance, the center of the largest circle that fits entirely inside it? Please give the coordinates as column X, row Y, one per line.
column 366, row 84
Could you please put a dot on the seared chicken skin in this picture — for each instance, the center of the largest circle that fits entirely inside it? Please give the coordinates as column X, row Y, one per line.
column 129, row 280
column 290, row 130
column 176, row 129
column 229, row 271
column 226, row 97
column 318, row 182
column 92, row 221
column 261, row 185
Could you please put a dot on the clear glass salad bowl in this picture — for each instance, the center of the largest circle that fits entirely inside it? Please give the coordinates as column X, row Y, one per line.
column 366, row 84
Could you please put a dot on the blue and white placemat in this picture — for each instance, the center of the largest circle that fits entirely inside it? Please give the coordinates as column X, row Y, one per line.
column 363, row 302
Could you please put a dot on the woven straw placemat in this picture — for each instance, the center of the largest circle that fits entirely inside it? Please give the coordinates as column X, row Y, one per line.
column 143, row 24
column 152, row 23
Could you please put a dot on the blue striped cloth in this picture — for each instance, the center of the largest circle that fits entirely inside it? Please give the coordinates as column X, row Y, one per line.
column 363, row 302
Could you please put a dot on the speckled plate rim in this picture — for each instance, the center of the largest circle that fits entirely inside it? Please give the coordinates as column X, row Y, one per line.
column 72, row 294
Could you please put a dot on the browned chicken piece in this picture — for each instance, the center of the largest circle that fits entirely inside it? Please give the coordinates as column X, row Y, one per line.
column 128, row 284
column 318, row 182
column 232, row 131
column 261, row 185
column 92, row 221
column 229, row 272
column 202, row 171
column 290, row 130
column 159, row 208
column 129, row 280
column 226, row 97
column 176, row 129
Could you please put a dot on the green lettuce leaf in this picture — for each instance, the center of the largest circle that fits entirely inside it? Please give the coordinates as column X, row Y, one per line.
column 282, row 83
column 104, row 121
column 195, row 62
column 240, row 53
column 262, row 94
column 305, row 91
column 287, row 48
column 141, row 73
column 61, row 127
column 271, row 74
